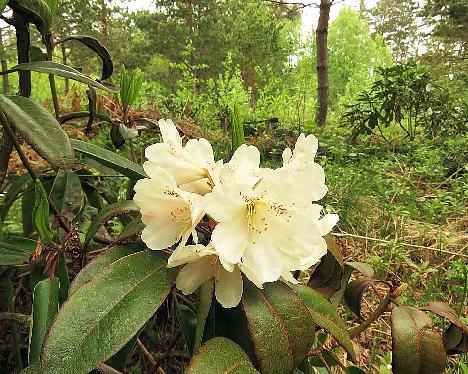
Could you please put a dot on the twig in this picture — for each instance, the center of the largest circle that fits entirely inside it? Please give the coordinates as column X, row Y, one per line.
column 382, row 307
column 147, row 353
column 404, row 244
column 106, row 369
column 324, row 363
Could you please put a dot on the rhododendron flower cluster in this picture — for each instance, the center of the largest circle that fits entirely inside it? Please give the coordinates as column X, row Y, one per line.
column 224, row 220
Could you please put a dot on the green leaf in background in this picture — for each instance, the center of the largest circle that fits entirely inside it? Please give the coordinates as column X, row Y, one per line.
column 39, row 129
column 325, row 315
column 237, row 129
column 105, row 313
column 35, row 11
column 96, row 46
column 272, row 325
column 94, row 267
column 54, row 68
column 107, row 213
column 416, row 349
column 3, row 4
column 53, row 4
column 36, row 54
column 187, row 321
column 17, row 186
column 66, row 192
column 455, row 340
column 132, row 230
column 62, row 275
column 444, row 310
column 41, row 213
column 27, row 201
column 218, row 356
column 16, row 250
column 110, row 159
column 130, row 85
column 205, row 302
column 44, row 308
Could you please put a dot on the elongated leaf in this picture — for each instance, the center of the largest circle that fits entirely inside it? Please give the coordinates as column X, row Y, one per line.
column 27, row 201
column 110, row 159
column 187, row 321
column 416, row 349
column 18, row 185
column 220, row 356
column 34, row 11
column 41, row 213
column 52, row 6
column 325, row 315
column 66, row 192
column 354, row 293
column 444, row 310
column 272, row 325
column 103, row 315
column 36, row 54
column 39, row 129
column 45, row 307
column 326, row 277
column 100, row 263
column 101, row 51
column 68, row 117
column 54, row 68
column 132, row 230
column 365, row 269
column 107, row 213
column 16, row 251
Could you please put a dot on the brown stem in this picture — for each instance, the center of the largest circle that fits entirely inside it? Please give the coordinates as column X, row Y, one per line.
column 21, row 318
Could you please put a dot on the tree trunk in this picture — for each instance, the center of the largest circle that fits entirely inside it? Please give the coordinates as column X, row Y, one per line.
column 322, row 61
column 64, row 61
column 4, row 65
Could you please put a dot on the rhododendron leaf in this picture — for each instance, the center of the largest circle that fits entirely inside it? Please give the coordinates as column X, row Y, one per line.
column 416, row 349
column 455, row 341
column 107, row 213
column 325, row 315
column 354, row 293
column 273, row 325
column 105, row 313
column 109, row 159
column 187, row 321
column 220, row 355
column 326, row 277
column 444, row 310
column 94, row 267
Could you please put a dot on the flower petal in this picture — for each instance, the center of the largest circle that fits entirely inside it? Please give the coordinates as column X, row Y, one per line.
column 230, row 238
column 194, row 274
column 225, row 202
column 228, row 287
column 201, row 151
column 327, row 223
column 161, row 234
column 169, row 132
column 187, row 253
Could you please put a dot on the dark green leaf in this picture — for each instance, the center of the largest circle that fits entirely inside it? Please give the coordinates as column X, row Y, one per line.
column 62, row 274
column 36, row 54
column 101, row 51
column 116, row 136
column 354, row 293
column 416, row 349
column 27, row 201
column 16, row 251
column 325, row 315
column 44, row 309
column 97, row 265
column 187, row 321
column 34, row 11
column 110, row 159
column 107, row 213
column 68, row 117
column 39, row 129
column 17, row 186
column 105, row 313
column 3, row 4
column 41, row 213
column 220, row 356
column 54, row 68
column 132, row 230
column 354, row 370
column 66, row 192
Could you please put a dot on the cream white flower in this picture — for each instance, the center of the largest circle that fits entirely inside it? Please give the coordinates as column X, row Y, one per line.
column 270, row 228
column 192, row 166
column 169, row 213
column 244, row 167
column 303, row 154
column 203, row 263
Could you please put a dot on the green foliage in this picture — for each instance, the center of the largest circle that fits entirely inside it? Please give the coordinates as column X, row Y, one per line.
column 406, row 96
column 130, row 85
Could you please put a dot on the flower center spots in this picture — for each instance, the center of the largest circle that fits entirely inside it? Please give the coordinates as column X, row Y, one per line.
column 181, row 215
